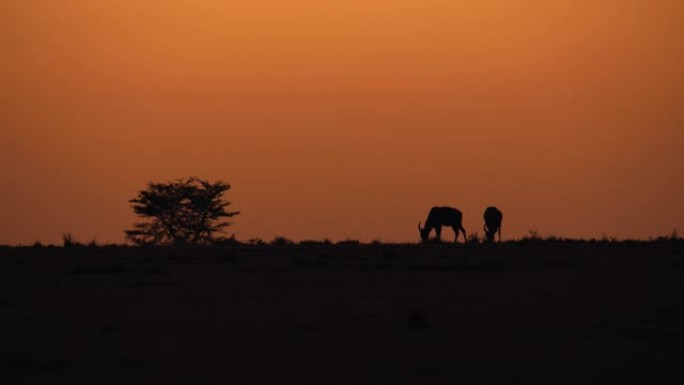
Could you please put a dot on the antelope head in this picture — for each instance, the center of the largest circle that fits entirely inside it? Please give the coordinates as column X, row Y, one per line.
column 424, row 233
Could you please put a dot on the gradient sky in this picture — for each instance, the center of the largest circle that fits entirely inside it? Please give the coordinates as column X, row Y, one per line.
column 344, row 119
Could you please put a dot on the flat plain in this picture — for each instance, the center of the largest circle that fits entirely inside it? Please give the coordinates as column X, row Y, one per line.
column 515, row 312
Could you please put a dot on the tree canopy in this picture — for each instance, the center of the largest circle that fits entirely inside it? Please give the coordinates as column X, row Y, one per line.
column 188, row 211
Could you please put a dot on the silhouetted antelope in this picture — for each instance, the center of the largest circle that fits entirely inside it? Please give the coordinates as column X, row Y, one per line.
column 442, row 216
column 492, row 218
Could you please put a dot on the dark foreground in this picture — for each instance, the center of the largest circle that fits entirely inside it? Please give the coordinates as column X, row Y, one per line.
column 547, row 313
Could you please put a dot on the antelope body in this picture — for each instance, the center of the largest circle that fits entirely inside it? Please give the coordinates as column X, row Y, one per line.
column 442, row 216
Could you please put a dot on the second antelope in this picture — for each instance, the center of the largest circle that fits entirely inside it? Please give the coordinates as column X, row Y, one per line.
column 492, row 218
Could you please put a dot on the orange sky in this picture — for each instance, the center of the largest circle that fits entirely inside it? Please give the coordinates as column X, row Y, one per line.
column 344, row 119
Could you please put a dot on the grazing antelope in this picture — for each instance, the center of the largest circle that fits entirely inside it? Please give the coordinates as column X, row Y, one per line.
column 442, row 216
column 492, row 218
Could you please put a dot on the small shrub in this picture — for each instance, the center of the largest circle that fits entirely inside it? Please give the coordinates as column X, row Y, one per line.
column 311, row 242
column 69, row 241
column 226, row 241
column 281, row 241
column 474, row 239
column 256, row 241
column 675, row 235
column 534, row 237
column 349, row 242
column 38, row 244
column 606, row 239
column 672, row 237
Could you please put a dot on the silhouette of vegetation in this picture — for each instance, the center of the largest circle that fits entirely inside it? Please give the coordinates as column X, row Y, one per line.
column 349, row 242
column 226, row 241
column 473, row 239
column 256, row 242
column 69, row 241
column 281, row 241
column 607, row 239
column 183, row 212
column 532, row 236
column 313, row 242
column 673, row 237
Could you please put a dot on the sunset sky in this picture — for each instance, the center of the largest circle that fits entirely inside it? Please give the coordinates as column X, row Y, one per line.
column 344, row 119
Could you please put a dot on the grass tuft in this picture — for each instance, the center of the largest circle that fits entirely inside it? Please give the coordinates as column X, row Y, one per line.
column 313, row 242
column 474, row 239
column 69, row 241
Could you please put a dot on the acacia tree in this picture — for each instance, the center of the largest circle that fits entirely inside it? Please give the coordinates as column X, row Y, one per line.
column 187, row 211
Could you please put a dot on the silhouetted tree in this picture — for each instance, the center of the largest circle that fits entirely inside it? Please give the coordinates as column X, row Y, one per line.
column 183, row 212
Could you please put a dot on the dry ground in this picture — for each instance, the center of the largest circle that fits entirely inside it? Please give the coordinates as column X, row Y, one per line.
column 544, row 313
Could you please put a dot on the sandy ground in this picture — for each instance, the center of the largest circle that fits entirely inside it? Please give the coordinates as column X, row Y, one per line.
column 531, row 313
